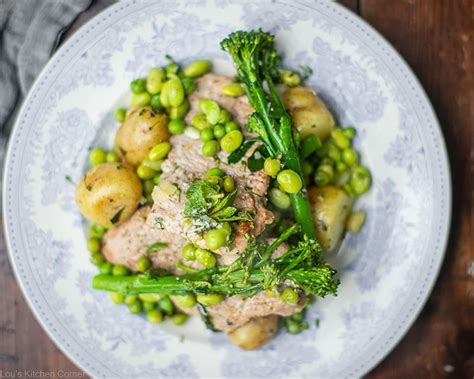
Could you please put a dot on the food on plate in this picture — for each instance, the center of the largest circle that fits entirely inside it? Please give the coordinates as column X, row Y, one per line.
column 228, row 197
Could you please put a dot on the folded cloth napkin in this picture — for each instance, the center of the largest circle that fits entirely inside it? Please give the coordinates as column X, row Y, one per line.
column 30, row 30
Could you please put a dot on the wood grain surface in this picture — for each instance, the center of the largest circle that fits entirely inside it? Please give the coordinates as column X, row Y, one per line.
column 436, row 38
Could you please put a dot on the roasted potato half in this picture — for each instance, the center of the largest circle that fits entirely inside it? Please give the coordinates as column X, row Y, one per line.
column 142, row 129
column 330, row 206
column 255, row 333
column 109, row 193
column 309, row 114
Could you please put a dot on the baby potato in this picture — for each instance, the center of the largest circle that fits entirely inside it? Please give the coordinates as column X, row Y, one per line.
column 330, row 206
column 109, row 193
column 309, row 114
column 255, row 333
column 142, row 129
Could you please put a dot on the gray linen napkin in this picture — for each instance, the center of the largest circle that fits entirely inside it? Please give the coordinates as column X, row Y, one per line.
column 29, row 33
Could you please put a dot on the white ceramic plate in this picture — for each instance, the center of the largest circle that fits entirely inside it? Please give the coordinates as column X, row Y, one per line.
column 387, row 271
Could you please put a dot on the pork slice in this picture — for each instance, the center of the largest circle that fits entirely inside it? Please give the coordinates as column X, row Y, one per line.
column 185, row 163
column 210, row 86
column 129, row 241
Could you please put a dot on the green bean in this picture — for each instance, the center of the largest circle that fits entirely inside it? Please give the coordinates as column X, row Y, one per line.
column 211, row 109
column 355, row 222
column 233, row 90
column 154, row 80
column 189, row 85
column 186, row 301
column 350, row 157
column 145, row 172
column 200, row 122
column 290, row 78
column 206, row 134
column 215, row 239
column 360, row 180
column 197, row 68
column 176, row 126
column 309, row 145
column 120, row 114
column 340, row 140
column 289, row 295
column 136, row 307
column 112, row 157
column 206, row 258
column 155, row 102
column 138, row 86
column 224, row 117
column 143, row 264
column 219, row 131
column 97, row 259
column 279, row 198
column 154, row 316
column 349, row 132
column 105, row 268
column 210, row 299
column 93, row 244
column 210, row 148
column 97, row 230
column 166, row 305
column 228, row 184
column 120, row 270
column 189, row 252
column 232, row 141
column 117, row 298
column 180, row 111
column 179, row 319
column 271, row 166
column 140, row 100
column 97, row 156
column 230, row 126
column 160, row 151
column 289, row 181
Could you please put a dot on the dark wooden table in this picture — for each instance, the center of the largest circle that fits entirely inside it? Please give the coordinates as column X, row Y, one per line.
column 436, row 37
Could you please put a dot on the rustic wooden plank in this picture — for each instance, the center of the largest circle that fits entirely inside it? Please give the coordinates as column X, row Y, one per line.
column 351, row 4
column 437, row 38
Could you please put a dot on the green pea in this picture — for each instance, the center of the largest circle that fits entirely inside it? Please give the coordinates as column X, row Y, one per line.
column 210, row 299
column 292, row 326
column 93, row 244
column 230, row 126
column 148, row 306
column 189, row 85
column 130, row 299
column 350, row 157
column 186, row 301
column 143, row 264
column 97, row 156
column 149, row 297
column 210, row 148
column 304, row 326
column 215, row 171
column 154, row 80
column 176, row 126
column 156, row 178
column 105, row 268
column 279, row 198
column 197, row 68
column 166, row 305
column 171, row 69
column 154, row 165
column 322, row 151
column 211, row 109
column 120, row 270
column 160, row 151
column 219, row 131
column 307, row 168
column 214, row 180
column 97, row 230
column 289, row 181
column 200, row 122
column 154, row 316
column 179, row 319
column 297, row 316
column 349, row 132
column 136, row 307
column 215, row 239
column 112, row 157
column 226, row 228
column 206, row 258
column 290, row 78
column 333, row 152
column 309, row 145
column 340, row 140
column 228, row 184
column 120, row 114
column 206, row 134
column 97, row 259
column 289, row 295
column 138, row 86
column 360, row 180
column 224, row 116
column 140, row 100
column 341, row 167
column 180, row 111
column 355, row 222
column 233, row 90
column 327, row 169
column 347, row 187
column 271, row 166
column 155, row 102
column 326, row 161
column 232, row 141
column 117, row 298
column 321, row 178
column 189, row 252
column 145, row 172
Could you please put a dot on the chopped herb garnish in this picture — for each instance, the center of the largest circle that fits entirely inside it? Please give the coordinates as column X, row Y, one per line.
column 316, row 322
column 116, row 217
column 68, row 179
column 205, row 317
column 159, row 222
column 306, row 71
column 156, row 246
column 238, row 154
